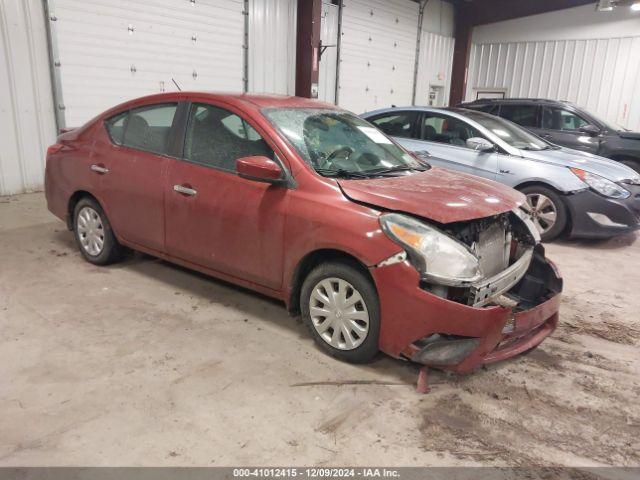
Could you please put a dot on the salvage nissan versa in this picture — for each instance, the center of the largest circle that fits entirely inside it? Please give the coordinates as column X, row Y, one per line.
column 307, row 203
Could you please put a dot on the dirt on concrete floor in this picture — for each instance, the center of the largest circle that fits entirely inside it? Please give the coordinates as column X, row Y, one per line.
column 146, row 363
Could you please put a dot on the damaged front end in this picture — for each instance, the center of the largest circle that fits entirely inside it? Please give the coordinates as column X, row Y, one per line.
column 490, row 264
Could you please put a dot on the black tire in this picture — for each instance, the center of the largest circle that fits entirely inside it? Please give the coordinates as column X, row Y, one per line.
column 365, row 287
column 111, row 250
column 562, row 212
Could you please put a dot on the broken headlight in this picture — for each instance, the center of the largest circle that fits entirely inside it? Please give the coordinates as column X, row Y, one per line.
column 438, row 257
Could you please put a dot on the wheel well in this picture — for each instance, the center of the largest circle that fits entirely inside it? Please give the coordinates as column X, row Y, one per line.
column 312, row 260
column 73, row 201
column 569, row 224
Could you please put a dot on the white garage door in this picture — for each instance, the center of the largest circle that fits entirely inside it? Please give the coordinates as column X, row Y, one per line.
column 377, row 53
column 114, row 50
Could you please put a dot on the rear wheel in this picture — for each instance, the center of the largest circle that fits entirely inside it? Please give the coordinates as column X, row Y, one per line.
column 548, row 210
column 340, row 307
column 94, row 236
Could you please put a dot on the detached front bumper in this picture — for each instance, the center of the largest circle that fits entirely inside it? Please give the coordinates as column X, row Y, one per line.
column 595, row 216
column 420, row 326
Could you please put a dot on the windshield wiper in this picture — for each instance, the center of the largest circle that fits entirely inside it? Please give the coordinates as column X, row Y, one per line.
column 397, row 168
column 340, row 172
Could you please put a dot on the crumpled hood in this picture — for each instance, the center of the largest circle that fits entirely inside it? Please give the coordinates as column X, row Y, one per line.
column 567, row 157
column 438, row 194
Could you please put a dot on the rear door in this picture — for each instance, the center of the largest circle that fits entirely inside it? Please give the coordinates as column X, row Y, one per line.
column 562, row 127
column 215, row 218
column 132, row 167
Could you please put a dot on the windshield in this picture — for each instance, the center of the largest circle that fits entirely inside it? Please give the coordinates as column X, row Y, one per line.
column 337, row 143
column 508, row 132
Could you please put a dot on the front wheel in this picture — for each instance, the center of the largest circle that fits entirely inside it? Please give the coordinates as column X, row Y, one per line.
column 340, row 307
column 548, row 210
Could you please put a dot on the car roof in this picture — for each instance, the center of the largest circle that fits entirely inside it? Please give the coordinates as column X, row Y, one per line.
column 489, row 101
column 252, row 101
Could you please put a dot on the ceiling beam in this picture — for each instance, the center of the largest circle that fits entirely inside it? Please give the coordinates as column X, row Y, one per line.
column 491, row 11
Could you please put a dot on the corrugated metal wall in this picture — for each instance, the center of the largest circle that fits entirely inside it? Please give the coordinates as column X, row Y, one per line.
column 27, row 124
column 272, row 46
column 601, row 75
column 328, row 65
column 434, row 67
column 377, row 56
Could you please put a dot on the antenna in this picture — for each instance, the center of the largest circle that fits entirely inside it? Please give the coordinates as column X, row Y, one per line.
column 176, row 84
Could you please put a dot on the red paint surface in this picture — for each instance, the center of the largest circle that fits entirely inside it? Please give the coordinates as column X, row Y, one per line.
column 256, row 234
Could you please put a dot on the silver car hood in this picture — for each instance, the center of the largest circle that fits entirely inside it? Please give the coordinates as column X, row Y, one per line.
column 567, row 157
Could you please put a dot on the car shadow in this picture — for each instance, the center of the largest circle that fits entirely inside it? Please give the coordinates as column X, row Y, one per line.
column 615, row 243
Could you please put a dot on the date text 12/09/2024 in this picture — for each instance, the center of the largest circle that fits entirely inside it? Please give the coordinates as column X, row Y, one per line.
column 316, row 473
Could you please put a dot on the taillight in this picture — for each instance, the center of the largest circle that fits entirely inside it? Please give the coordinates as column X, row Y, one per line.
column 55, row 148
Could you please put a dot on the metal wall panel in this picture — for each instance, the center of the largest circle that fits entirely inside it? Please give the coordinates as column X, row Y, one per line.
column 114, row 50
column 27, row 122
column 272, row 46
column 377, row 53
column 434, row 67
column 329, row 38
column 602, row 75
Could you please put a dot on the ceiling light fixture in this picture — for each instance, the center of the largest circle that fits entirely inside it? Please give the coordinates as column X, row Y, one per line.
column 635, row 7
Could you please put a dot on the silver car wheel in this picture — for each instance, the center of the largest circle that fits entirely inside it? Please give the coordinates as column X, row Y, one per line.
column 339, row 314
column 90, row 231
column 543, row 211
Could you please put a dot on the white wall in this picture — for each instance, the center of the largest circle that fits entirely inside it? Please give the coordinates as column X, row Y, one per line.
column 272, row 46
column 587, row 57
column 27, row 124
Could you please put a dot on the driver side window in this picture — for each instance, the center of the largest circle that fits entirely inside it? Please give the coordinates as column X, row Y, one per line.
column 217, row 138
column 448, row 130
column 559, row 119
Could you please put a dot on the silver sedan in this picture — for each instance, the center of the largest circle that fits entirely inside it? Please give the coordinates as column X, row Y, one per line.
column 568, row 191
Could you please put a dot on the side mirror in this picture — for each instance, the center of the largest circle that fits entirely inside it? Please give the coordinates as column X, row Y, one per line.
column 590, row 130
column 480, row 144
column 260, row 169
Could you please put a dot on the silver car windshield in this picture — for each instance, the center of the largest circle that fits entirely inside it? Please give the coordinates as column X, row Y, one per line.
column 508, row 132
column 337, row 143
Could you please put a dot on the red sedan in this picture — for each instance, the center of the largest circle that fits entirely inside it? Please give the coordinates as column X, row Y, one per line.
column 307, row 203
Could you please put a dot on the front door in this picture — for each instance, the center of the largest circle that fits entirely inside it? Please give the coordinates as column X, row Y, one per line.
column 444, row 139
column 215, row 218
column 562, row 127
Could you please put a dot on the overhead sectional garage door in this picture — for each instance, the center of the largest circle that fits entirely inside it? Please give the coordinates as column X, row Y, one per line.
column 377, row 53
column 113, row 50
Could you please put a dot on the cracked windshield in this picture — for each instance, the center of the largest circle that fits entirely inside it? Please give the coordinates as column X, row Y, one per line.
column 339, row 144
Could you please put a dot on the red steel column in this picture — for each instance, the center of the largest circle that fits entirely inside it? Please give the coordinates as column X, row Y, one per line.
column 307, row 48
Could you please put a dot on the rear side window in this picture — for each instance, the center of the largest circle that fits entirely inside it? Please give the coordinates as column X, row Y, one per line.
column 397, row 124
column 524, row 115
column 217, row 138
column 115, row 127
column 148, row 128
column 492, row 109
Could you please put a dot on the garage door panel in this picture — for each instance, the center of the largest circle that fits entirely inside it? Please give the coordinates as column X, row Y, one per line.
column 377, row 55
column 113, row 51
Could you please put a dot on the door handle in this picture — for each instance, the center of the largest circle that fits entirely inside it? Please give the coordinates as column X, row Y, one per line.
column 99, row 169
column 184, row 190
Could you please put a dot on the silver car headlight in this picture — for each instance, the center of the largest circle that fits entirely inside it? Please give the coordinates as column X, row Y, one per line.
column 438, row 257
column 601, row 185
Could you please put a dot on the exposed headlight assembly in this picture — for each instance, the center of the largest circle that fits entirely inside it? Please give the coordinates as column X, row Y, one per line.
column 438, row 257
column 601, row 185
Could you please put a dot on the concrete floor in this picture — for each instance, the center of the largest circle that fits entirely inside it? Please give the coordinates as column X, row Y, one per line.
column 145, row 363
